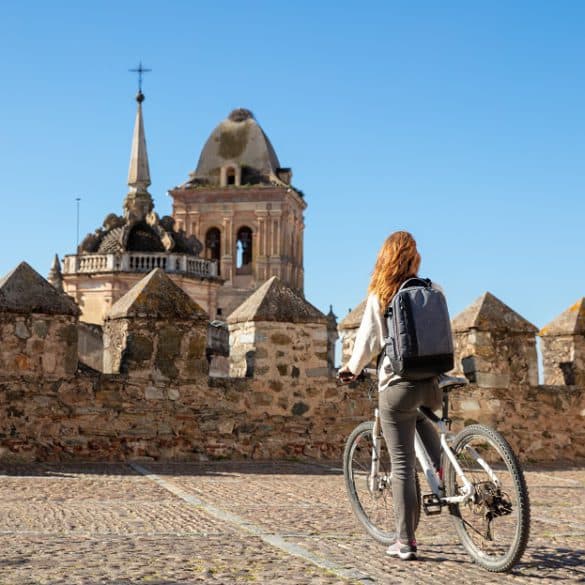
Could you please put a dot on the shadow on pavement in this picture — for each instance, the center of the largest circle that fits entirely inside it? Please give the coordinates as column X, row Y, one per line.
column 207, row 468
column 554, row 558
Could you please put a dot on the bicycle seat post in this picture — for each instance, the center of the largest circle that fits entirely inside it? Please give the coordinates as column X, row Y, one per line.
column 445, row 417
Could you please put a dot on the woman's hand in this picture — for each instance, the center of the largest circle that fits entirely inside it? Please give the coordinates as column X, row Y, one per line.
column 345, row 375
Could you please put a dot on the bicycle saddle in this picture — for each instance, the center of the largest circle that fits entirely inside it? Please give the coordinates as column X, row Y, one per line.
column 450, row 382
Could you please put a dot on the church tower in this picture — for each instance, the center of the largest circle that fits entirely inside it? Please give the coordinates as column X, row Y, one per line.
column 112, row 259
column 239, row 202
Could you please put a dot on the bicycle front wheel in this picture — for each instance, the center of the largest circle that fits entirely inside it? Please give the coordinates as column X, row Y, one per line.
column 494, row 524
column 371, row 496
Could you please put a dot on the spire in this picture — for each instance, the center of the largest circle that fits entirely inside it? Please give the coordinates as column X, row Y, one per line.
column 139, row 173
column 331, row 319
column 55, row 275
column 138, row 203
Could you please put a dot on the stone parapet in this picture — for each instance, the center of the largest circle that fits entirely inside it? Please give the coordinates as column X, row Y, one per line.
column 120, row 417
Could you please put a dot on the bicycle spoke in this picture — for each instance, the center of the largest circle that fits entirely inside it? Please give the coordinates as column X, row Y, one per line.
column 493, row 524
column 371, row 498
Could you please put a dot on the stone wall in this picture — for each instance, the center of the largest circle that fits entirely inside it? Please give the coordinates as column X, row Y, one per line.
column 119, row 417
column 542, row 423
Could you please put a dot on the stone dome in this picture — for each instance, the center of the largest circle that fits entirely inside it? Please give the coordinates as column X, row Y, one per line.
column 239, row 141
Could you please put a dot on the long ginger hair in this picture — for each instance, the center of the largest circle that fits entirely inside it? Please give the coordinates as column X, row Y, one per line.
column 398, row 260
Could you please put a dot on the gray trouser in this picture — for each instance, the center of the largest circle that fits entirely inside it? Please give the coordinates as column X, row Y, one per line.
column 398, row 405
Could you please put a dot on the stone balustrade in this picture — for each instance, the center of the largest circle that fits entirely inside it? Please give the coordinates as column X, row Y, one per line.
column 139, row 262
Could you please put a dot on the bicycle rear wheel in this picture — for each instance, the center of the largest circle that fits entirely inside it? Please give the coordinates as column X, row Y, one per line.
column 371, row 498
column 494, row 525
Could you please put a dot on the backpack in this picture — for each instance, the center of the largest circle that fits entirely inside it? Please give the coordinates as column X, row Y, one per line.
column 419, row 342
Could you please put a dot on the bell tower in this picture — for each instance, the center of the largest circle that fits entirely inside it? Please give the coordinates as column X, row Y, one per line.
column 241, row 204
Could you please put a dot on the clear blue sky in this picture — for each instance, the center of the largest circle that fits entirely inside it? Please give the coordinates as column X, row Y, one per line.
column 462, row 122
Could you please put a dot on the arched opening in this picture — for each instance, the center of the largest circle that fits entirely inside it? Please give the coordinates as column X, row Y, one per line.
column 244, row 250
column 213, row 246
column 230, row 176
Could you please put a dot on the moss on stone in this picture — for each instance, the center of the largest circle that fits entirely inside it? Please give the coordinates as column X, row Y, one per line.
column 232, row 142
column 280, row 339
column 139, row 348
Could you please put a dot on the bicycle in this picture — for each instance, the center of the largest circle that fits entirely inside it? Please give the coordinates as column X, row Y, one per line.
column 480, row 482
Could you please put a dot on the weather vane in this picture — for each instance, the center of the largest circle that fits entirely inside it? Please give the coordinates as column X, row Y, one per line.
column 140, row 70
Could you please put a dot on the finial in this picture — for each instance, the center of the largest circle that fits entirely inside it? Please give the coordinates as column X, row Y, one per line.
column 140, row 70
column 331, row 319
column 138, row 204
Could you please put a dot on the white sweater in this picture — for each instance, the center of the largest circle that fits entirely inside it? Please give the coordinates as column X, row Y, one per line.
column 369, row 342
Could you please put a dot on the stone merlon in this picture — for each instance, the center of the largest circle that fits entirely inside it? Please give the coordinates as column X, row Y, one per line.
column 25, row 291
column 488, row 313
column 353, row 319
column 569, row 322
column 274, row 301
column 156, row 296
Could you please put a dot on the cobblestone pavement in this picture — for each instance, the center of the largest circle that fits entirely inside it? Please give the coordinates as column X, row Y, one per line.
column 232, row 523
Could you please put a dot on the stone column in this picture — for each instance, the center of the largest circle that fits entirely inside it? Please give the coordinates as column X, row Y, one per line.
column 227, row 262
column 563, row 347
column 195, row 226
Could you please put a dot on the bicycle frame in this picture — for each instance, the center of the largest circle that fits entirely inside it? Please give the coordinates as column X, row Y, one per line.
column 433, row 478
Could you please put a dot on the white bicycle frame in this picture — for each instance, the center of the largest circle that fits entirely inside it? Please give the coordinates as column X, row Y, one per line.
column 434, row 480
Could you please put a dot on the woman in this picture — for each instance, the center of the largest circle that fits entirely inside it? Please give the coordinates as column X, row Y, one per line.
column 398, row 260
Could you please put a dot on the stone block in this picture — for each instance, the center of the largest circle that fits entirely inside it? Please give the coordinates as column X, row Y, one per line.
column 280, row 339
column 40, row 328
column 49, row 360
column 21, row 330
column 469, row 405
column 139, row 348
column 300, row 408
column 153, row 393
column 492, row 380
column 317, row 372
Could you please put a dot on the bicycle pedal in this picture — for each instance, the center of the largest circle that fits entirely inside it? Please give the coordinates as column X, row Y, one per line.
column 431, row 505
